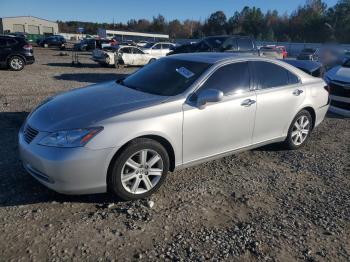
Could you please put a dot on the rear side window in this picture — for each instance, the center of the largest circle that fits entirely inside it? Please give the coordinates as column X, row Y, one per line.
column 268, row 75
column 126, row 50
column 230, row 79
column 11, row 42
column 158, row 46
column 3, row 42
column 245, row 44
column 293, row 79
column 136, row 51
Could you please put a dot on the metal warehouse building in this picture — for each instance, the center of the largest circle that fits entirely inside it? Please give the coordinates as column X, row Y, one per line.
column 27, row 24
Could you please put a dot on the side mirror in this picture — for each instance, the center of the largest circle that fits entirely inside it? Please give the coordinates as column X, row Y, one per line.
column 209, row 96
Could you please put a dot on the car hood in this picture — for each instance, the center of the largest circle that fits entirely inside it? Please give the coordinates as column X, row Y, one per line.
column 339, row 73
column 86, row 107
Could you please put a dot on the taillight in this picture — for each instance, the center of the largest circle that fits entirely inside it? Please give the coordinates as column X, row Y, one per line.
column 328, row 89
column 28, row 47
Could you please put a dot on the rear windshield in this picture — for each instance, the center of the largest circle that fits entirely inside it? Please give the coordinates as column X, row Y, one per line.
column 216, row 42
column 347, row 63
column 166, row 77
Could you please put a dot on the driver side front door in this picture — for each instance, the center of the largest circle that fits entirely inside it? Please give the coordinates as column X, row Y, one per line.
column 222, row 126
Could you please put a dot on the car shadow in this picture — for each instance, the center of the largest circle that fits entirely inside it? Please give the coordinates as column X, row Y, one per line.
column 335, row 116
column 17, row 187
column 82, row 65
column 90, row 77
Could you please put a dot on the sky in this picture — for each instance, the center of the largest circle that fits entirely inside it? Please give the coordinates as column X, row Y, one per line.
column 124, row 10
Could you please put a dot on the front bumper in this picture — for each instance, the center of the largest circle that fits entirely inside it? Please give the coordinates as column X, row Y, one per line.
column 66, row 170
column 340, row 105
column 101, row 60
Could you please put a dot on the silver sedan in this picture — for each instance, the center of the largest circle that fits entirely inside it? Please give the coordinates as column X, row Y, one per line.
column 125, row 136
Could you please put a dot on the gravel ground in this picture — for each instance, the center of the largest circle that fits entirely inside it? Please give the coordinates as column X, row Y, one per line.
column 266, row 204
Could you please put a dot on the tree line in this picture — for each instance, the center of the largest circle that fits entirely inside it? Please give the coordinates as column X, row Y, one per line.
column 312, row 22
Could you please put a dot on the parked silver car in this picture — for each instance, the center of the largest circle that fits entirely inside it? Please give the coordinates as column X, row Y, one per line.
column 179, row 111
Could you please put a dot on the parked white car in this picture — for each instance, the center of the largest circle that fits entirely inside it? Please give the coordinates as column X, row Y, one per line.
column 131, row 55
column 158, row 49
column 105, row 56
column 126, row 55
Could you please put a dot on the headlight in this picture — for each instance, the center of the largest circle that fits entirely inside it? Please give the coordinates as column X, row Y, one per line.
column 327, row 79
column 70, row 138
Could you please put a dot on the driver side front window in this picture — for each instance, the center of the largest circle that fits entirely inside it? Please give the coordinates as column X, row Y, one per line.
column 230, row 79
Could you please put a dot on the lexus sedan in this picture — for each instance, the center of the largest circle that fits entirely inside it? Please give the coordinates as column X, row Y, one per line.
column 124, row 136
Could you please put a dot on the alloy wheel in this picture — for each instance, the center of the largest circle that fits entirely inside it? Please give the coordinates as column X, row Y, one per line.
column 301, row 130
column 142, row 171
column 16, row 63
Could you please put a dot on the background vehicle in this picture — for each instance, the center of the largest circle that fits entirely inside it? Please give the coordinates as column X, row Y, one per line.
column 338, row 79
column 105, row 56
column 176, row 112
column 142, row 43
column 271, row 52
column 308, row 54
column 134, row 56
column 86, row 45
column 55, row 40
column 158, row 49
column 15, row 52
column 236, row 44
column 125, row 55
column 313, row 68
column 19, row 34
column 283, row 50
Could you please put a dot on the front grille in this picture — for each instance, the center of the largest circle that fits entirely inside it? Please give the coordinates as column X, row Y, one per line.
column 340, row 89
column 29, row 134
column 342, row 105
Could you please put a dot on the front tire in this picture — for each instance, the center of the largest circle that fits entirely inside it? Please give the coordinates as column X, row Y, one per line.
column 139, row 170
column 16, row 63
column 299, row 131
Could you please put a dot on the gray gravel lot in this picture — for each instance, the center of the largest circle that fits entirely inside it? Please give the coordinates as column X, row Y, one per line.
column 266, row 204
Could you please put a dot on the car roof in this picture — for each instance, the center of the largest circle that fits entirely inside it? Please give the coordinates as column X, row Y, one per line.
column 215, row 57
column 12, row 37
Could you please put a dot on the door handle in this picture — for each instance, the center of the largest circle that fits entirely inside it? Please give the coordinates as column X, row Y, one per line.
column 248, row 102
column 298, row 92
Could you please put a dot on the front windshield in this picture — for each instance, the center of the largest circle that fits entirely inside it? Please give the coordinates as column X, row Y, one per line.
column 166, row 77
column 148, row 45
column 216, row 42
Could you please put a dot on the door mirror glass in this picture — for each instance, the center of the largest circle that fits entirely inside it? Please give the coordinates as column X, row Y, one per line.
column 209, row 96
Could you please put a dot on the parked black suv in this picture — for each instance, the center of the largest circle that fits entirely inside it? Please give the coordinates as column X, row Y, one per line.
column 15, row 52
column 54, row 40
column 235, row 44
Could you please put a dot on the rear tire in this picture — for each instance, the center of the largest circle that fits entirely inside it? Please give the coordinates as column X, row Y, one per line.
column 299, row 130
column 139, row 170
column 16, row 63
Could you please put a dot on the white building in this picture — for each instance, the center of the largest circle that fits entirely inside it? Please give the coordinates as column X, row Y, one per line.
column 135, row 36
column 28, row 24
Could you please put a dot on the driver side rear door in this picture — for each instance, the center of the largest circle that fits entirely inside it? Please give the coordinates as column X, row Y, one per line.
column 127, row 55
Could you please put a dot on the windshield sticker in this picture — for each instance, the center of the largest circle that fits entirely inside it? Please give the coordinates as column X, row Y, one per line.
column 185, row 72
